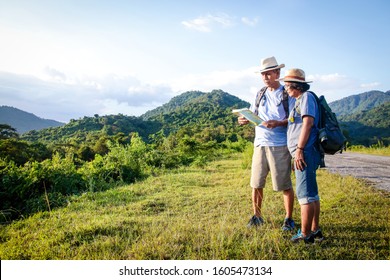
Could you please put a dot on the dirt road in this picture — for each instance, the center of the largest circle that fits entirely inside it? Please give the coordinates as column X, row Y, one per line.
column 375, row 169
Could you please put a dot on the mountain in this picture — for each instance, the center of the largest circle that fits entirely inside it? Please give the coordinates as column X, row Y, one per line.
column 368, row 127
column 359, row 102
column 199, row 110
column 215, row 98
column 193, row 109
column 23, row 121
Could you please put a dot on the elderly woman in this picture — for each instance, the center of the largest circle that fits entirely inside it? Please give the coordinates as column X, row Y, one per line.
column 302, row 135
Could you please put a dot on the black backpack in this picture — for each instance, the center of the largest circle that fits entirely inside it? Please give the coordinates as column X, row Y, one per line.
column 330, row 137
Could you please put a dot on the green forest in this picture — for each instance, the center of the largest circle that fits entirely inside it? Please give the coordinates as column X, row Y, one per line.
column 39, row 170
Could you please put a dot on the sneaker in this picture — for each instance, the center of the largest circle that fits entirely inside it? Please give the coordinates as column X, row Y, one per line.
column 288, row 224
column 255, row 221
column 318, row 235
column 299, row 236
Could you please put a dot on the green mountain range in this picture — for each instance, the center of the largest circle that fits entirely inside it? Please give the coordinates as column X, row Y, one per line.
column 359, row 102
column 368, row 127
column 364, row 118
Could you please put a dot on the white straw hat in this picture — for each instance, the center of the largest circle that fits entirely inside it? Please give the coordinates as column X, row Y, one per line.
column 268, row 64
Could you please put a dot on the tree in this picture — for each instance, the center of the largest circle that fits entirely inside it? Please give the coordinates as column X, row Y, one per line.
column 7, row 131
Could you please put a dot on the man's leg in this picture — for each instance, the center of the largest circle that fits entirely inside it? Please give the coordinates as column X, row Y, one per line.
column 257, row 199
column 288, row 197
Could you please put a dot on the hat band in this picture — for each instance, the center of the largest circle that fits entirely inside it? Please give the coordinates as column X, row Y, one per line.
column 269, row 67
column 294, row 77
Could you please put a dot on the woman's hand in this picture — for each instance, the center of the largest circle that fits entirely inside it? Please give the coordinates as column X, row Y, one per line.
column 299, row 160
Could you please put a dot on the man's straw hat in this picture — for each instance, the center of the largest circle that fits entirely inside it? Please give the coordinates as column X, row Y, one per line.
column 268, row 64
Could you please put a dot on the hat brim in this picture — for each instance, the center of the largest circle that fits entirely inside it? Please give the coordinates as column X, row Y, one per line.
column 293, row 80
column 271, row 68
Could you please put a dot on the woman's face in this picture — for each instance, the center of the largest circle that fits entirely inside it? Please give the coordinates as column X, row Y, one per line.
column 292, row 91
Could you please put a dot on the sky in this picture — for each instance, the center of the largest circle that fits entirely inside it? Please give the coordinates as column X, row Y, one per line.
column 68, row 59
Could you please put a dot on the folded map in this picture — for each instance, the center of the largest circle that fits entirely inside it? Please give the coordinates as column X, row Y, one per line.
column 249, row 115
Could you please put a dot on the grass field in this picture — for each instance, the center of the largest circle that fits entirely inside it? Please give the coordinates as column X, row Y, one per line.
column 201, row 214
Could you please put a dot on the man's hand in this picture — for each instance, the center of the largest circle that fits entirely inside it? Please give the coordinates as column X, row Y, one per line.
column 242, row 121
column 271, row 124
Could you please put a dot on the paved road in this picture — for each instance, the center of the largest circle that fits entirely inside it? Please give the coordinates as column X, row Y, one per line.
column 375, row 169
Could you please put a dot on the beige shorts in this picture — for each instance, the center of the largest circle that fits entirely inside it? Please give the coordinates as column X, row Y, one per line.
column 276, row 160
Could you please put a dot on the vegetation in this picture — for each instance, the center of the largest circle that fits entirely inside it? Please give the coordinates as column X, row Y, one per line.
column 368, row 127
column 377, row 149
column 200, row 213
column 25, row 188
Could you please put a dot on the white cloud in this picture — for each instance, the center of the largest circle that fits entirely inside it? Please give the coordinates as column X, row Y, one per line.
column 54, row 74
column 370, row 86
column 62, row 101
column 241, row 83
column 336, row 86
column 250, row 22
column 207, row 23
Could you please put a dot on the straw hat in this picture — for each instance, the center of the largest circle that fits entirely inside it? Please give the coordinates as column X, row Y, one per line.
column 268, row 64
column 294, row 75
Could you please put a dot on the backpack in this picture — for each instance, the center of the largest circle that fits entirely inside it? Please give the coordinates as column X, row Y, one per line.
column 330, row 137
column 260, row 95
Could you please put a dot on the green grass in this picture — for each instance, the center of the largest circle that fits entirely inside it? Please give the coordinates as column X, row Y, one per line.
column 372, row 150
column 201, row 214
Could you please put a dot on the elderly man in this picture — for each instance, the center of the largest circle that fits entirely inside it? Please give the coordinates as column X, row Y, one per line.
column 270, row 153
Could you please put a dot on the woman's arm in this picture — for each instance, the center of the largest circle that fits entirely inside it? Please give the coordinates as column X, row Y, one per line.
column 307, row 124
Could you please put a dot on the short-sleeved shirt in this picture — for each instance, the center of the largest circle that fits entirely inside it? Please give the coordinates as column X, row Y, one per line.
column 305, row 105
column 271, row 108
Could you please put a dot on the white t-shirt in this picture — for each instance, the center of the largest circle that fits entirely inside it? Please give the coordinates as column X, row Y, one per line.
column 271, row 108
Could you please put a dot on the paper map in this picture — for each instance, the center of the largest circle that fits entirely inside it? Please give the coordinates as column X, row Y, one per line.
column 248, row 114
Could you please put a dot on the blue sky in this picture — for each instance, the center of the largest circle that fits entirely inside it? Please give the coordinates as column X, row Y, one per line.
column 68, row 59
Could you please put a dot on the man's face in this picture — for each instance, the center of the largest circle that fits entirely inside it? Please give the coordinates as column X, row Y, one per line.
column 269, row 77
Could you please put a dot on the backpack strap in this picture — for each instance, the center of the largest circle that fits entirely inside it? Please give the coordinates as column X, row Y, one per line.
column 285, row 102
column 320, row 113
column 260, row 95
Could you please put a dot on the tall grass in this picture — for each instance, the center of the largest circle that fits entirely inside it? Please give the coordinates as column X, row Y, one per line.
column 201, row 213
column 377, row 149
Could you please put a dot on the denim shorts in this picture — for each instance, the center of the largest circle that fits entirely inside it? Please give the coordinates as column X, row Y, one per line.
column 306, row 180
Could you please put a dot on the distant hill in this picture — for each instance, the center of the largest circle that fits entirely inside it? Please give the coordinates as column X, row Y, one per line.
column 23, row 121
column 359, row 102
column 193, row 109
column 367, row 127
column 200, row 110
column 215, row 98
